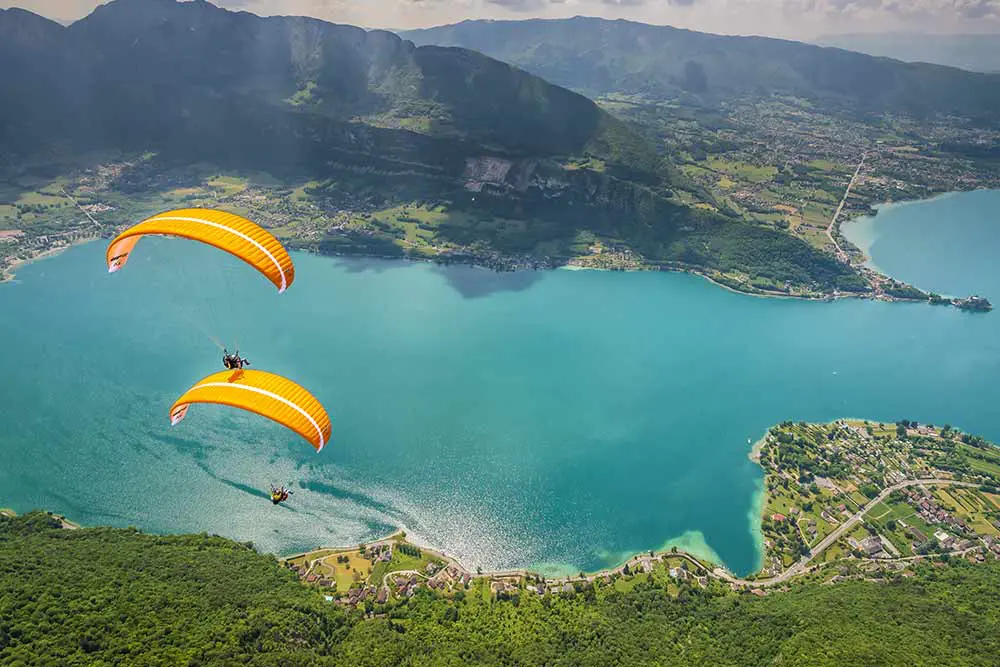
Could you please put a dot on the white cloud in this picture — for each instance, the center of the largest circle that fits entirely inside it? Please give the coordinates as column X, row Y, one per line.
column 790, row 18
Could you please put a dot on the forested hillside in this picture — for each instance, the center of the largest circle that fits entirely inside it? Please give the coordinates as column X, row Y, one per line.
column 108, row 596
column 360, row 128
column 144, row 73
column 598, row 57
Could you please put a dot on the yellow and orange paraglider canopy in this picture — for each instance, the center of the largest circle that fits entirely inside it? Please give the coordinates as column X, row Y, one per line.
column 226, row 231
column 265, row 394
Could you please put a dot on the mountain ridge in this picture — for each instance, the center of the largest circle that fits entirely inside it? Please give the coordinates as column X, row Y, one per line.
column 338, row 72
column 367, row 111
column 662, row 61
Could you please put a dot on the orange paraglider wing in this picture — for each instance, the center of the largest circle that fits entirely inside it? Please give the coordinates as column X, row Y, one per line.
column 265, row 394
column 225, row 231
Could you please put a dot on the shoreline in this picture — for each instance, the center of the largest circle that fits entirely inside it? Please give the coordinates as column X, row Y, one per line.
column 674, row 549
column 715, row 570
column 667, row 549
column 651, row 268
column 501, row 264
column 9, row 273
column 862, row 261
column 756, row 449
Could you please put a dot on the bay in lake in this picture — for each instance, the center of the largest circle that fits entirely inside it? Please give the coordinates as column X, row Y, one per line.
column 560, row 420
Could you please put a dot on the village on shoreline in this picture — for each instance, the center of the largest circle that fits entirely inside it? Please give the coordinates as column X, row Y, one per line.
column 846, row 500
column 84, row 204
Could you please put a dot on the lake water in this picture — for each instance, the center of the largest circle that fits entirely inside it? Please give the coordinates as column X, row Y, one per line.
column 947, row 245
column 559, row 420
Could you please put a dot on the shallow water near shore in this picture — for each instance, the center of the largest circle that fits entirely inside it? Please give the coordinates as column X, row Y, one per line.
column 943, row 245
column 564, row 419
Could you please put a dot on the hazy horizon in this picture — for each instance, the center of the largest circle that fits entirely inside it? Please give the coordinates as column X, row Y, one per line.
column 804, row 20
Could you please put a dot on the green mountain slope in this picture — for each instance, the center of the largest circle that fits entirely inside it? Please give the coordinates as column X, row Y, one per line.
column 511, row 165
column 108, row 596
column 599, row 57
column 142, row 71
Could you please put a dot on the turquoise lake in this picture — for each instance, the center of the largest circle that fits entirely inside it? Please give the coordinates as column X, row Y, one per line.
column 559, row 420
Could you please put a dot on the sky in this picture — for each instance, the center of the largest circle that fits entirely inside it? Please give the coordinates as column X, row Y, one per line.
column 797, row 19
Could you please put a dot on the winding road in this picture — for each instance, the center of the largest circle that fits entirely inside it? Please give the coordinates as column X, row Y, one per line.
column 830, row 539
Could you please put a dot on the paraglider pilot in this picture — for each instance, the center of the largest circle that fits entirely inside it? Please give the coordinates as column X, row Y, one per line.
column 233, row 362
column 279, row 494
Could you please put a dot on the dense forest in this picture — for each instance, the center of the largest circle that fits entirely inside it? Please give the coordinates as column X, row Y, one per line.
column 109, row 596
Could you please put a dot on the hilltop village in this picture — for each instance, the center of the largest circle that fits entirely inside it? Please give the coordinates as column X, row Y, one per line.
column 847, row 500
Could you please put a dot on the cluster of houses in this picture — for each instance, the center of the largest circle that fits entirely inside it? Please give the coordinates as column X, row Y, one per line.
column 104, row 176
column 446, row 578
column 830, row 514
column 930, row 510
column 993, row 544
column 356, row 596
column 379, row 553
column 307, row 575
column 98, row 207
column 798, row 137
column 872, row 546
column 449, row 577
column 680, row 574
column 406, row 585
column 951, row 542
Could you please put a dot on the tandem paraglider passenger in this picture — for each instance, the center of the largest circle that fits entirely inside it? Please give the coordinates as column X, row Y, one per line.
column 279, row 494
column 234, row 362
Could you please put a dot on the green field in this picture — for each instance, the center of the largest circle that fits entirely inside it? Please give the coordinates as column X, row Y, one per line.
column 970, row 505
column 984, row 466
column 8, row 216
column 879, row 511
column 900, row 511
column 836, row 551
column 742, row 171
column 859, row 499
column 591, row 163
column 299, row 194
column 827, row 165
column 37, row 198
column 400, row 562
column 229, row 185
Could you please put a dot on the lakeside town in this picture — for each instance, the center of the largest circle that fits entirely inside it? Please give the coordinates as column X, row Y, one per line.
column 97, row 202
column 842, row 501
column 778, row 165
column 784, row 165
column 848, row 500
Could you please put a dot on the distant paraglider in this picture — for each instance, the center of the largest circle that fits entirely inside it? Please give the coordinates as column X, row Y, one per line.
column 266, row 394
column 225, row 231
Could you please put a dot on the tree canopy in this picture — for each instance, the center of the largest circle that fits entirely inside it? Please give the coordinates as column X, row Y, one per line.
column 112, row 596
